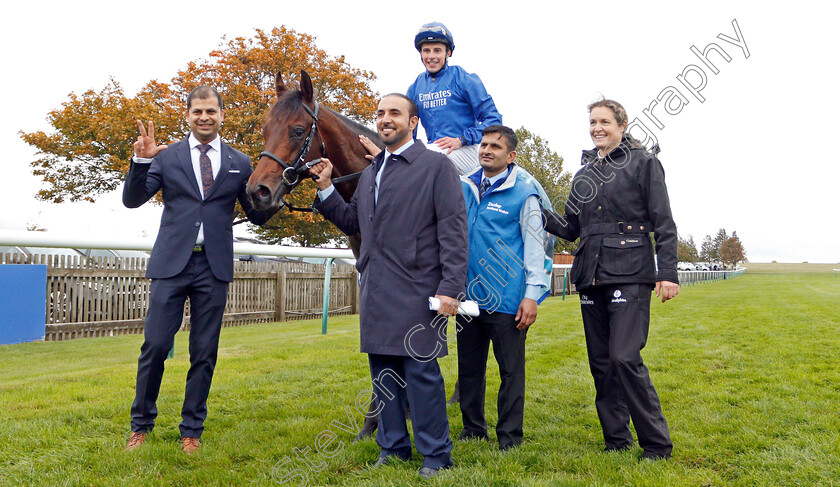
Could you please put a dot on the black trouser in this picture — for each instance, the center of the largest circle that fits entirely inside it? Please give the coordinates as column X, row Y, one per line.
column 616, row 320
column 208, row 296
column 474, row 339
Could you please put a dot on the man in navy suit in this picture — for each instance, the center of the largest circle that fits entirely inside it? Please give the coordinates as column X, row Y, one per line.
column 201, row 178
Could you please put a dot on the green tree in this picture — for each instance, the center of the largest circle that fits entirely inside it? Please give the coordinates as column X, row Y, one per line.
column 88, row 152
column 720, row 237
column 686, row 249
column 707, row 249
column 536, row 157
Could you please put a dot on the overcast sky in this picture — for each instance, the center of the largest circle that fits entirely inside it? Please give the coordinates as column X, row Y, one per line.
column 756, row 156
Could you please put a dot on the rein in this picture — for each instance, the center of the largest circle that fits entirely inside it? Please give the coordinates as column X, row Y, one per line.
column 309, row 209
column 292, row 173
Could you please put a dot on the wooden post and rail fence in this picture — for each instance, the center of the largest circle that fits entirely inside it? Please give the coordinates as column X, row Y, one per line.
column 106, row 296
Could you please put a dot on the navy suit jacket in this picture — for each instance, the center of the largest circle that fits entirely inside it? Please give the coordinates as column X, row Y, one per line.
column 184, row 209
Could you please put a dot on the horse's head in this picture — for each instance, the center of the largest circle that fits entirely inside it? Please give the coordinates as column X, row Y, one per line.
column 291, row 139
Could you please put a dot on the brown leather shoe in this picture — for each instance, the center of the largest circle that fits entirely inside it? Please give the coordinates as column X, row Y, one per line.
column 137, row 439
column 190, row 445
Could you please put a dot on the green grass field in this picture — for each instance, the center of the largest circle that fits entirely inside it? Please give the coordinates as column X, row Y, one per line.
column 784, row 268
column 748, row 371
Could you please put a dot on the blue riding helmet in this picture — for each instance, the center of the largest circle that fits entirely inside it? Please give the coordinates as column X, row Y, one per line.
column 434, row 32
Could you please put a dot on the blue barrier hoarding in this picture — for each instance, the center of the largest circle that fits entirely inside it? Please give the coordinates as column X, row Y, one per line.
column 23, row 303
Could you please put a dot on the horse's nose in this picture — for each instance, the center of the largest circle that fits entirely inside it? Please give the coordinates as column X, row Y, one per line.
column 260, row 197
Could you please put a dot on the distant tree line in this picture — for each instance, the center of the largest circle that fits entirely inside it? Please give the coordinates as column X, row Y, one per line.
column 720, row 248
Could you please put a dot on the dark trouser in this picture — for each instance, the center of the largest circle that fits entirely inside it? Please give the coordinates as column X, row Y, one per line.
column 166, row 310
column 474, row 337
column 616, row 320
column 399, row 379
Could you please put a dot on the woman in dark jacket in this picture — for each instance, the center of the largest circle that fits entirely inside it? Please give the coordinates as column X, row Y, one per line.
column 617, row 199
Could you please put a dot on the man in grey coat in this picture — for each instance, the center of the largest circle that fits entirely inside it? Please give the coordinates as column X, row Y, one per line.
column 410, row 211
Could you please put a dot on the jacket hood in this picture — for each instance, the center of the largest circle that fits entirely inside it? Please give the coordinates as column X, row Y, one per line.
column 628, row 143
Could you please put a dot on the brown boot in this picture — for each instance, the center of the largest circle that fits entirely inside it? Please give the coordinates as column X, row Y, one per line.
column 137, row 439
column 190, row 445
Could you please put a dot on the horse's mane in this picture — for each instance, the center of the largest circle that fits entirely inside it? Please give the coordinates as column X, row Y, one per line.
column 357, row 127
column 292, row 103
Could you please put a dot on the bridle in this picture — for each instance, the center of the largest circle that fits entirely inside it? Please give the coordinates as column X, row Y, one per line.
column 296, row 172
column 292, row 173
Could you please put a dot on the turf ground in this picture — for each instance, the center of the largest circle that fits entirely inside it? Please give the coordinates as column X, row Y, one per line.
column 748, row 371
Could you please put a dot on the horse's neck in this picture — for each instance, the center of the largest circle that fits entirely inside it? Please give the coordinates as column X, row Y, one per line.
column 343, row 147
column 344, row 151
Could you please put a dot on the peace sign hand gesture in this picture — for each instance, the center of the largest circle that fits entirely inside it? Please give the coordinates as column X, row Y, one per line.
column 145, row 146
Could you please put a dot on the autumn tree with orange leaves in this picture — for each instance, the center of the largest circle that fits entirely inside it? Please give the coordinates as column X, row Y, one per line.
column 732, row 251
column 89, row 151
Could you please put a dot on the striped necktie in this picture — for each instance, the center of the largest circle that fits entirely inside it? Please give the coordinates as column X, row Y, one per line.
column 485, row 185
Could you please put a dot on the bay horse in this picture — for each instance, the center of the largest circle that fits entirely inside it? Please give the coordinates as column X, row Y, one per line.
column 298, row 131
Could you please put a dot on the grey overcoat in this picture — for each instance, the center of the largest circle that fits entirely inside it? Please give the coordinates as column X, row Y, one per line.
column 414, row 245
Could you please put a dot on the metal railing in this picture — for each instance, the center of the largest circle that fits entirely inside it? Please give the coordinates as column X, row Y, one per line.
column 687, row 278
column 57, row 240
column 691, row 278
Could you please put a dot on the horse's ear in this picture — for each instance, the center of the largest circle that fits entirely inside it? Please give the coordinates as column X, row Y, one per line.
column 279, row 87
column 306, row 86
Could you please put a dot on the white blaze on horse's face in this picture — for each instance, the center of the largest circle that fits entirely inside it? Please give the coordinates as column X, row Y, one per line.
column 205, row 118
column 433, row 55
column 395, row 125
column 605, row 131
